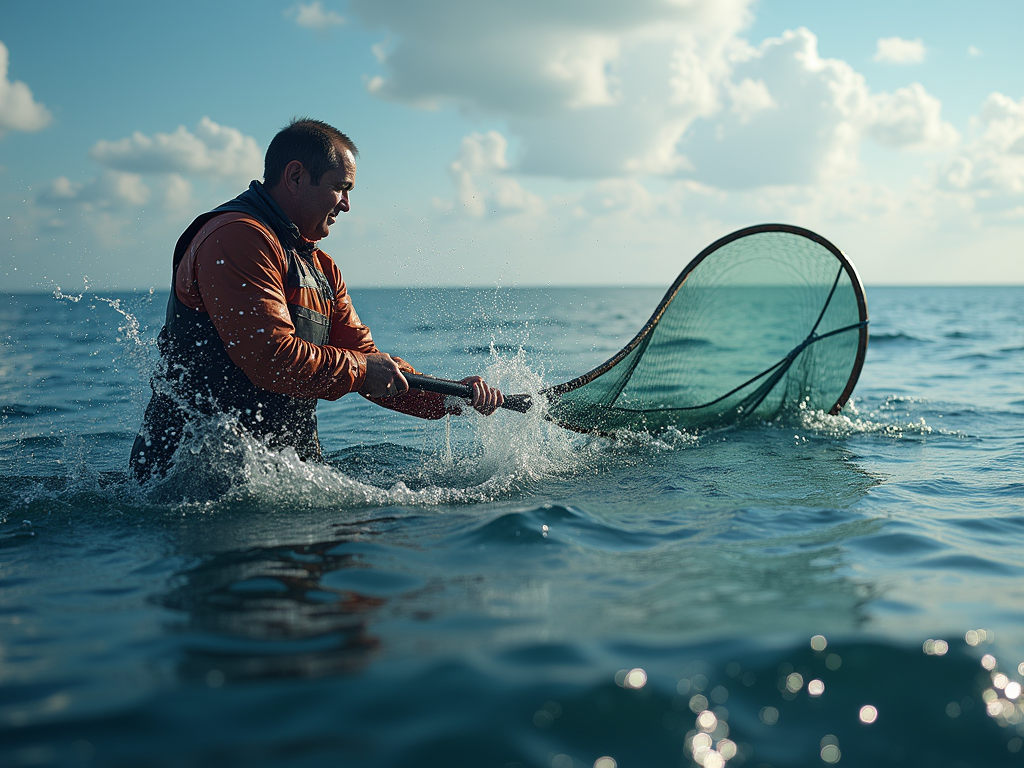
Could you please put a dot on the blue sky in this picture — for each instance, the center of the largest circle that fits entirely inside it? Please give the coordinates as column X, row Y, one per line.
column 527, row 143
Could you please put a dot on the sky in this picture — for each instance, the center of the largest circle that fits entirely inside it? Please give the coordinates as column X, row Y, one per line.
column 540, row 142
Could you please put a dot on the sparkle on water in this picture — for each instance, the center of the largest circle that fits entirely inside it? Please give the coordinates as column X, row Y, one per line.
column 868, row 714
column 708, row 745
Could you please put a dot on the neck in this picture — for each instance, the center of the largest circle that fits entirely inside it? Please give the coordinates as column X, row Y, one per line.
column 278, row 193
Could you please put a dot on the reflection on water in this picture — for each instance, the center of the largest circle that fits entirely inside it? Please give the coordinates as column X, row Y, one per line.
column 271, row 612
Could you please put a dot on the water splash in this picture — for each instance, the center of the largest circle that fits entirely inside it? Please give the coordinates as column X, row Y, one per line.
column 472, row 459
column 464, row 460
column 885, row 420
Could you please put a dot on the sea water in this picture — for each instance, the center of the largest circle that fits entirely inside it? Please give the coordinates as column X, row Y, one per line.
column 500, row 592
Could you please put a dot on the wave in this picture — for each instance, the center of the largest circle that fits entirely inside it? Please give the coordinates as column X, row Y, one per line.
column 979, row 356
column 888, row 337
column 25, row 411
column 557, row 525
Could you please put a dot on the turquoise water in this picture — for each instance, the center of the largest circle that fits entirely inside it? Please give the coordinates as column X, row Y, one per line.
column 500, row 592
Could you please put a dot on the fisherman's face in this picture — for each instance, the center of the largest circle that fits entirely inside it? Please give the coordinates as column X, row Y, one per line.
column 320, row 204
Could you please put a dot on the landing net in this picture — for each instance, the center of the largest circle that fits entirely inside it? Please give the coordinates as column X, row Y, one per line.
column 765, row 321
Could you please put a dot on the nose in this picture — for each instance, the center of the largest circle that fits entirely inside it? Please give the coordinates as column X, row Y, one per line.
column 343, row 202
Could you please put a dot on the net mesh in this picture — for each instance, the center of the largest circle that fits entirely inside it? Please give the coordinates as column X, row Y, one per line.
column 768, row 319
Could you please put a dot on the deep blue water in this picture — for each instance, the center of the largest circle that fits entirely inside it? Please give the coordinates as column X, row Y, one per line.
column 500, row 592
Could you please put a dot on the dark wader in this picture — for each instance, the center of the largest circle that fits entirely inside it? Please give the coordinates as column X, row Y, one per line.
column 196, row 378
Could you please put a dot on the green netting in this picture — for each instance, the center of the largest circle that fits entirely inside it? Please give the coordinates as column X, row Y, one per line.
column 767, row 319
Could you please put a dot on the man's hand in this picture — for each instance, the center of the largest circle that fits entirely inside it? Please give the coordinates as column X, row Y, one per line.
column 383, row 377
column 486, row 399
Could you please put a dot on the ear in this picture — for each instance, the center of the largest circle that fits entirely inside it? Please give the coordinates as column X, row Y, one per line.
column 292, row 175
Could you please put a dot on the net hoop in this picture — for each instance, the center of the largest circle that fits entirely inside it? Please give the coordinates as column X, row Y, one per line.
column 847, row 265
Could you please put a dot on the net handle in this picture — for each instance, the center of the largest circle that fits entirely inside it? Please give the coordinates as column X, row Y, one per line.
column 518, row 403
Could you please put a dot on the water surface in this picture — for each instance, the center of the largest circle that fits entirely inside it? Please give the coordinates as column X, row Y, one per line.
column 500, row 592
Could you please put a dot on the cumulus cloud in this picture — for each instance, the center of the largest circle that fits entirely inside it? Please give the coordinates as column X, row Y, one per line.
column 993, row 160
column 213, row 151
column 104, row 207
column 177, row 194
column 593, row 87
column 19, row 111
column 110, row 190
column 651, row 88
column 618, row 199
column 910, row 117
column 533, row 56
column 479, row 176
column 114, row 191
column 151, row 172
column 793, row 118
column 314, row 16
column 896, row 50
column 748, row 97
column 797, row 118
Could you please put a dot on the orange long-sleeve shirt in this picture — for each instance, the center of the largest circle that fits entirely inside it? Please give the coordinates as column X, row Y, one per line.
column 236, row 271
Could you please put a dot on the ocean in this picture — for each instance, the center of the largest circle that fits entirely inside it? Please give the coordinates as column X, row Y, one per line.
column 501, row 592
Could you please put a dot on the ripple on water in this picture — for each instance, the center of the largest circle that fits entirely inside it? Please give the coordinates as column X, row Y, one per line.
column 898, row 544
column 371, row 582
column 556, row 525
column 970, row 564
column 995, row 527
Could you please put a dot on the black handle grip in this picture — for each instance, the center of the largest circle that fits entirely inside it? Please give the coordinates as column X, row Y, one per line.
column 520, row 403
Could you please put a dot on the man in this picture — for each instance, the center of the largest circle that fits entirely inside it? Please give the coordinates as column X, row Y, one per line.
column 259, row 323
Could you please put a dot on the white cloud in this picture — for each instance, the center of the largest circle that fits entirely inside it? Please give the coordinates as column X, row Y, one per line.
column 973, row 50
column 896, row 50
column 910, row 117
column 314, row 16
column 101, row 213
column 748, row 97
column 624, row 199
column 993, row 161
column 594, row 88
column 19, row 111
column 117, row 191
column 111, row 190
column 479, row 176
column 60, row 189
column 177, row 194
column 533, row 56
column 653, row 88
column 214, row 151
column 794, row 118
column 797, row 118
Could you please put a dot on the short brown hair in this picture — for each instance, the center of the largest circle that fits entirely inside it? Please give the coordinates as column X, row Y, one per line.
column 313, row 143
